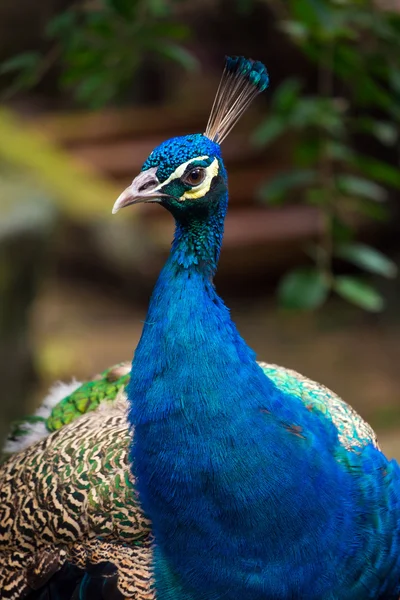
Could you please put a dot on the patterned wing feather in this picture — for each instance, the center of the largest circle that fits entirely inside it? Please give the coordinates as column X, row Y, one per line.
column 353, row 431
column 71, row 498
column 63, row 404
column 89, row 396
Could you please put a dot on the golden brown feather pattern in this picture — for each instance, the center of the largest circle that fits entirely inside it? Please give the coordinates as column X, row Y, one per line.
column 58, row 497
column 64, row 493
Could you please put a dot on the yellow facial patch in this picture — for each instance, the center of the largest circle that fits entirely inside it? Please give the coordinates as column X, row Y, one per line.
column 200, row 190
column 203, row 188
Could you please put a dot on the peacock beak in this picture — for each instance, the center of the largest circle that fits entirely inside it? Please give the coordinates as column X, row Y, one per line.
column 142, row 189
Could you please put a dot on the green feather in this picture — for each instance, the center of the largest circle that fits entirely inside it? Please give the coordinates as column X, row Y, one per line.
column 89, row 396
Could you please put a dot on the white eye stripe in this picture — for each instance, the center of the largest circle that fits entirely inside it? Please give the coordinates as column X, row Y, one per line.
column 179, row 171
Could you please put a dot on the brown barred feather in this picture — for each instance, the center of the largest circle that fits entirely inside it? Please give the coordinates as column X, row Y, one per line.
column 58, row 497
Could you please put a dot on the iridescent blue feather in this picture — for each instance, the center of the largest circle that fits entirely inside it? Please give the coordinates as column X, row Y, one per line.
column 252, row 495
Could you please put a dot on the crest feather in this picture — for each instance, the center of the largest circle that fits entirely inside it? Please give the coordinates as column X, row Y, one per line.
column 242, row 80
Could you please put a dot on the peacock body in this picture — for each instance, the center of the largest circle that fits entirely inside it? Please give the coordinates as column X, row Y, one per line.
column 68, row 503
column 258, row 483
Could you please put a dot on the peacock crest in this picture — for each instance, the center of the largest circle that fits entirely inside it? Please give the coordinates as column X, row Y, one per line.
column 242, row 80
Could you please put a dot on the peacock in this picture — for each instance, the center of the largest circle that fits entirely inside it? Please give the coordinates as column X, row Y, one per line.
column 196, row 472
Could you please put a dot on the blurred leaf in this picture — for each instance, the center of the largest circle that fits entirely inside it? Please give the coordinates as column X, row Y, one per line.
column 378, row 170
column 159, row 8
column 316, row 196
column 326, row 11
column 338, row 151
column 385, row 131
column 21, row 62
column 373, row 93
column 99, row 26
column 305, row 288
column 294, row 29
column 366, row 90
column 357, row 186
column 269, row 131
column 347, row 60
column 26, row 72
column 102, row 44
column 367, row 258
column 359, row 293
column 304, row 12
column 61, row 25
column 178, row 54
column 175, row 31
column 372, row 209
column 93, row 91
column 341, row 231
column 125, row 8
column 321, row 113
column 286, row 95
column 305, row 113
column 307, row 150
column 356, row 49
column 394, row 79
column 325, row 21
column 332, row 122
column 274, row 189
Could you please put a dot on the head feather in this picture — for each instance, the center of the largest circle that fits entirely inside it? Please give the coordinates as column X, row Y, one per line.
column 242, row 80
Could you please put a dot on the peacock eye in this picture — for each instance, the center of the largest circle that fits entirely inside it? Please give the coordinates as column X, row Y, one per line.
column 195, row 176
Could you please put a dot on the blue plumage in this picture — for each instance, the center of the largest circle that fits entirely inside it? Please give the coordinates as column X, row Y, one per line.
column 252, row 495
column 181, row 149
column 254, row 71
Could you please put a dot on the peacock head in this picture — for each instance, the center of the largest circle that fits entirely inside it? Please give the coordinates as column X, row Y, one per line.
column 183, row 174
column 187, row 174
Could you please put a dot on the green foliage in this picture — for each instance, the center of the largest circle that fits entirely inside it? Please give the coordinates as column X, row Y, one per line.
column 24, row 69
column 101, row 45
column 352, row 185
column 359, row 293
column 378, row 170
column 275, row 190
column 305, row 288
column 21, row 62
column 367, row 258
column 269, row 131
column 357, row 45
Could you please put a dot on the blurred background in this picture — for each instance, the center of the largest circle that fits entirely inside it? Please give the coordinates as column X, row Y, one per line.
column 312, row 244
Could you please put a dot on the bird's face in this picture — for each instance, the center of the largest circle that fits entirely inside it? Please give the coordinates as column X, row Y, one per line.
column 184, row 174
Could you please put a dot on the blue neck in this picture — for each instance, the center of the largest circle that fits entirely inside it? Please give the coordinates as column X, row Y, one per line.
column 198, row 238
column 241, row 506
column 188, row 335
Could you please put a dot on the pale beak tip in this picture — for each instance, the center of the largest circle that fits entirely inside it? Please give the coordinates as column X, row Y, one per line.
column 121, row 201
